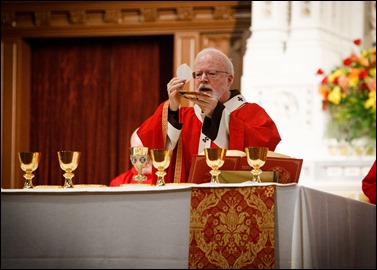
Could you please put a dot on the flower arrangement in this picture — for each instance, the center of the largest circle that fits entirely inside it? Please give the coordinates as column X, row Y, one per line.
column 349, row 95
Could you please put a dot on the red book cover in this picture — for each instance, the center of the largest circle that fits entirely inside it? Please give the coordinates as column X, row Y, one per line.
column 288, row 169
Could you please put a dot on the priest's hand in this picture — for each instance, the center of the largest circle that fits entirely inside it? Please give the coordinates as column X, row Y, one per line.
column 206, row 103
column 173, row 87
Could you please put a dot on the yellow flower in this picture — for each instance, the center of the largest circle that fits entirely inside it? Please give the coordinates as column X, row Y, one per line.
column 336, row 74
column 370, row 103
column 372, row 72
column 335, row 95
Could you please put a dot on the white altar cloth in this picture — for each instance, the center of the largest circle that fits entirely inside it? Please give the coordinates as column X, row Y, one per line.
column 148, row 227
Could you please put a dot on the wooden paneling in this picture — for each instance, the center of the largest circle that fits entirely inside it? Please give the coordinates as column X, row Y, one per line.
column 15, row 79
column 187, row 46
column 194, row 25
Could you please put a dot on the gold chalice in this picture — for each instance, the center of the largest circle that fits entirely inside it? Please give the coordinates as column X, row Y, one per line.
column 256, row 157
column 139, row 158
column 160, row 160
column 68, row 160
column 215, row 159
column 29, row 162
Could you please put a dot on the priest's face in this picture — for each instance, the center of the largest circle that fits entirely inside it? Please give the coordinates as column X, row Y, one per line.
column 211, row 76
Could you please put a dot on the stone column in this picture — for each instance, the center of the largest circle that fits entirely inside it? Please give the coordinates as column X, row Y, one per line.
column 290, row 41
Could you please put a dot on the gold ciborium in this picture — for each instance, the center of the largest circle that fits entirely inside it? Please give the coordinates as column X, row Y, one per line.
column 160, row 160
column 29, row 163
column 139, row 158
column 256, row 157
column 215, row 159
column 68, row 160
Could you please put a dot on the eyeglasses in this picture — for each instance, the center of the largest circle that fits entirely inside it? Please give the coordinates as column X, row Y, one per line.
column 209, row 73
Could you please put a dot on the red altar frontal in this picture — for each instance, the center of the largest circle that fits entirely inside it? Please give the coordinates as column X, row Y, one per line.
column 232, row 228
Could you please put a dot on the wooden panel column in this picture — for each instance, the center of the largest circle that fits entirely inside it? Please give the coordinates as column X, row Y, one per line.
column 15, row 109
column 186, row 46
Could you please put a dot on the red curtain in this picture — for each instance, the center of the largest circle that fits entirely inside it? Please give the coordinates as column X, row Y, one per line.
column 89, row 95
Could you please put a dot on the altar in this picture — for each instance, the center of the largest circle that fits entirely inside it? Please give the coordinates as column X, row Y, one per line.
column 149, row 227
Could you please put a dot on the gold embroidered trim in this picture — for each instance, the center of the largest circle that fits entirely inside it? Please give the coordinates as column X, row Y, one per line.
column 178, row 163
column 178, row 159
column 165, row 111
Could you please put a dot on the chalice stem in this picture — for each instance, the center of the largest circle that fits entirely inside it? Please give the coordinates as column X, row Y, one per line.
column 68, row 179
column 160, row 178
column 139, row 177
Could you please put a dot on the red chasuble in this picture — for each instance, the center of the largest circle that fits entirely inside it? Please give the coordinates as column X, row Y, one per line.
column 249, row 125
column 369, row 184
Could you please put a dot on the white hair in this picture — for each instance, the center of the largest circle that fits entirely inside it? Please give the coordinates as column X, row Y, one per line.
column 227, row 60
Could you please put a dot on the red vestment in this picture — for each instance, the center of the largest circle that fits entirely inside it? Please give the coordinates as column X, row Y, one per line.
column 249, row 125
column 369, row 184
column 127, row 178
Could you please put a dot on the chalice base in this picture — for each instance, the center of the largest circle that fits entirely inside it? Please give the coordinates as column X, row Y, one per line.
column 160, row 178
column 68, row 180
column 68, row 183
column 214, row 176
column 256, row 175
column 140, row 178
